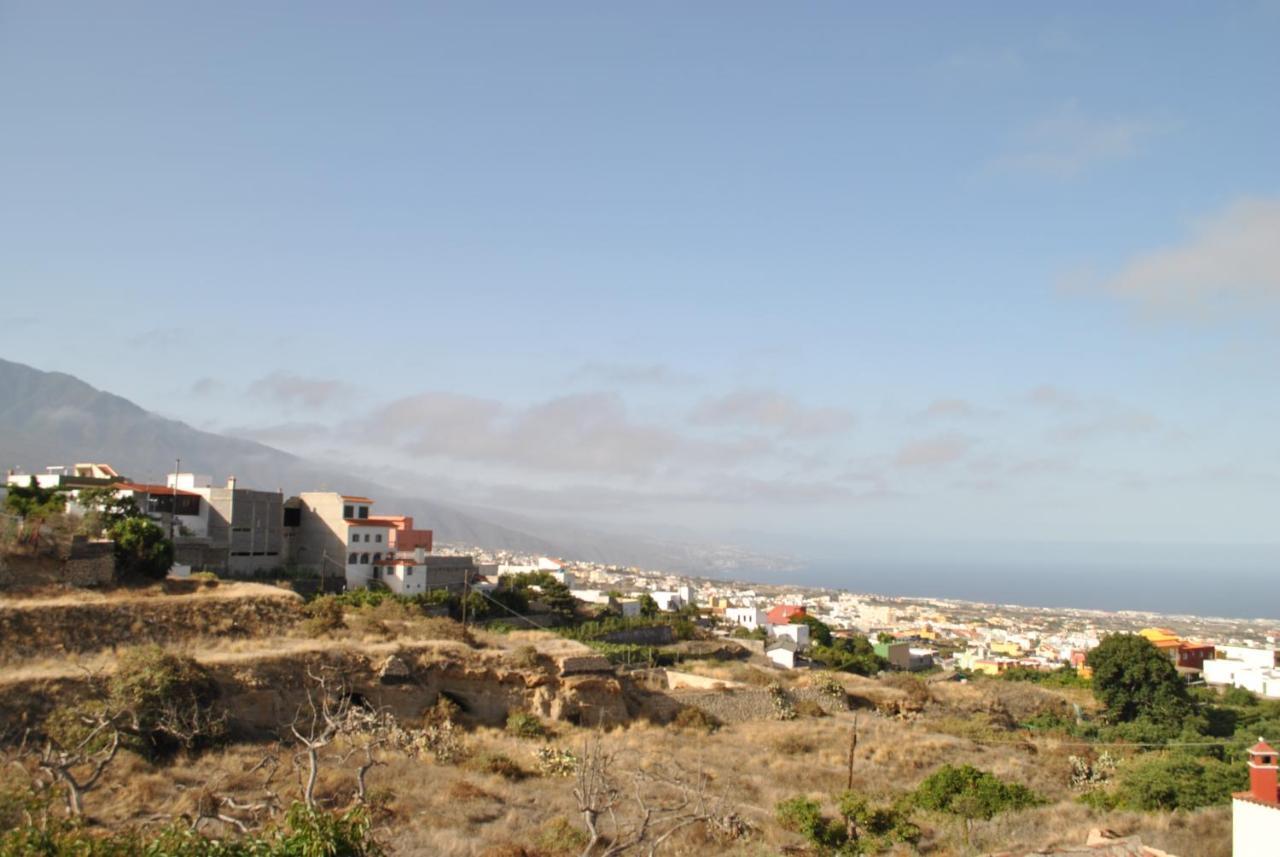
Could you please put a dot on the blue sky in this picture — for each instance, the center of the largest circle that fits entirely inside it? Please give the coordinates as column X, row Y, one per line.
column 800, row 276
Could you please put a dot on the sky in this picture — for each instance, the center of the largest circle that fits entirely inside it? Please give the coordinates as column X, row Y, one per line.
column 803, row 277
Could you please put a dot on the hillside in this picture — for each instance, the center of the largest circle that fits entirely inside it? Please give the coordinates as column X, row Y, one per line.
column 52, row 417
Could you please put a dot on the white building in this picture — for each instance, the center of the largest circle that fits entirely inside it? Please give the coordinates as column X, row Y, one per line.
column 782, row 652
column 745, row 617
column 1255, row 814
column 1254, row 670
column 798, row 634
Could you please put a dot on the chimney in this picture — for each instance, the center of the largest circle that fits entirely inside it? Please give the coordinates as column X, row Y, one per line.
column 1263, row 785
column 231, row 483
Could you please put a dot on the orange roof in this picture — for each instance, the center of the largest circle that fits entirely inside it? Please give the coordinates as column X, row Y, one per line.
column 140, row 488
column 356, row 499
column 1262, row 748
column 368, row 522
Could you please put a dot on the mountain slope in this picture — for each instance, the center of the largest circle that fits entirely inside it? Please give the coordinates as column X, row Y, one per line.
column 55, row 418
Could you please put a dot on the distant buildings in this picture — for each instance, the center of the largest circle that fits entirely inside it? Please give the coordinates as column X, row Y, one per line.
column 1255, row 670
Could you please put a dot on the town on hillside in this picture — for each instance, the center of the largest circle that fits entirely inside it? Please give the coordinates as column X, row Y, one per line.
column 333, row 542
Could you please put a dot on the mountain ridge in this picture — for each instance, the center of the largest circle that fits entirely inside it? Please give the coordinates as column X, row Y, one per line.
column 55, row 417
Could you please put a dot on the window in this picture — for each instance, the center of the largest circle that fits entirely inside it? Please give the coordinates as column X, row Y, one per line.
column 366, row 537
column 408, row 571
column 293, row 517
column 364, row 559
column 378, row 537
column 355, row 537
column 376, row 573
column 347, row 512
column 364, row 512
column 377, row 556
column 351, row 560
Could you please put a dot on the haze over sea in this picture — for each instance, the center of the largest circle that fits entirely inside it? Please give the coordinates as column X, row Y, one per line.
column 1200, row 580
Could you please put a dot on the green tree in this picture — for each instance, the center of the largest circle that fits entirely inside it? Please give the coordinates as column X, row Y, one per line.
column 33, row 502
column 648, row 607
column 1165, row 783
column 142, row 550
column 970, row 794
column 1134, row 681
column 105, row 508
column 819, row 631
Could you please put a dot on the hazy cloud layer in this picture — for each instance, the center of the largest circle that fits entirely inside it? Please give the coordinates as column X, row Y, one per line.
column 589, row 432
column 288, row 389
column 766, row 410
column 1067, row 142
column 1231, row 258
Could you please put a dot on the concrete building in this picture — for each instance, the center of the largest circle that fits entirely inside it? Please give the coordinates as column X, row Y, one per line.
column 1255, row 814
column 418, row 572
column 244, row 527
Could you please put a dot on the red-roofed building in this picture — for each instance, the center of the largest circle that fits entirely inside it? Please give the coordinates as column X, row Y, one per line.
column 1255, row 814
column 339, row 534
column 781, row 614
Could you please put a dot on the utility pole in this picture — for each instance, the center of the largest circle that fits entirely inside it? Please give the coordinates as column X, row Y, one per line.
column 464, row 597
column 173, row 511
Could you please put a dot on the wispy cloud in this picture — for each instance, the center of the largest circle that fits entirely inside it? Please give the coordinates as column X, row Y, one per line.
column 288, row 389
column 1230, row 260
column 287, row 435
column 932, row 452
column 633, row 374
column 951, row 409
column 767, row 410
column 206, row 386
column 1068, row 142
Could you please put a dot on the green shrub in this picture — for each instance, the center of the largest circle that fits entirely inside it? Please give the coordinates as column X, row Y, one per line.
column 167, row 701
column 523, row 724
column 972, row 793
column 325, row 615
column 1169, row 782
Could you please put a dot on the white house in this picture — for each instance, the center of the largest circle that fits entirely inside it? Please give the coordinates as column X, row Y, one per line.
column 782, row 652
column 1254, row 670
column 745, row 617
column 667, row 601
column 798, row 634
column 1255, row 814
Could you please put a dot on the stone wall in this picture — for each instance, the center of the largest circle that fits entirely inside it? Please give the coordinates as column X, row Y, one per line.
column 655, row 635
column 739, row 705
column 85, row 564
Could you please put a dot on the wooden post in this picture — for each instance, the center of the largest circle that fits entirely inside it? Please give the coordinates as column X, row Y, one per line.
column 853, row 745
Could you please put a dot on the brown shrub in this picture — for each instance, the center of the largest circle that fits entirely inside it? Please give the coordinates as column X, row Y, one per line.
column 695, row 720
column 809, row 708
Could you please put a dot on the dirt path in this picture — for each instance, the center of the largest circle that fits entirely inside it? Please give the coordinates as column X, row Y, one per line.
column 235, row 590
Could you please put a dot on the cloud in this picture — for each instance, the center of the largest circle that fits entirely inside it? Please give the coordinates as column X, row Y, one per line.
column 1049, row 396
column 1107, row 420
column 589, row 432
column 206, row 386
column 951, row 408
column 289, row 389
column 932, row 452
column 1083, row 418
column 285, row 435
column 633, row 374
column 1232, row 257
column 1068, row 142
column 770, row 411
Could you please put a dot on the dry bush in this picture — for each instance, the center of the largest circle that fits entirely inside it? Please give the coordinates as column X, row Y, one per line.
column 792, row 745
column 525, row 657
column 498, row 763
column 809, row 708
column 694, row 719
column 466, row 790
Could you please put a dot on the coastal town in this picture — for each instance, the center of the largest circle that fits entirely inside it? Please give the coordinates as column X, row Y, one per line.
column 338, row 542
